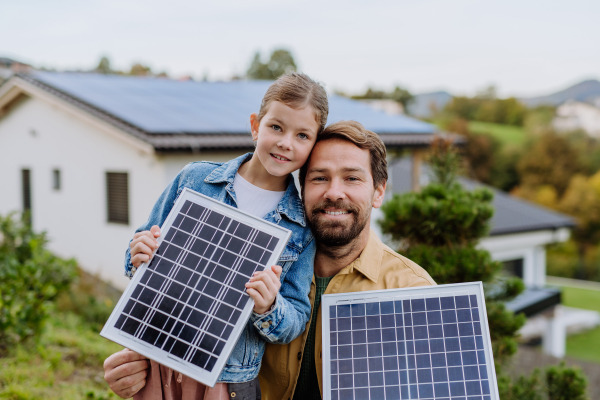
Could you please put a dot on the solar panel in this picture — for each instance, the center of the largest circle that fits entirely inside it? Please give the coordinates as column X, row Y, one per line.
column 414, row 343
column 187, row 307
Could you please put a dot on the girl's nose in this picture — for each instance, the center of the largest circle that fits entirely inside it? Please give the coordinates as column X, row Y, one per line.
column 285, row 142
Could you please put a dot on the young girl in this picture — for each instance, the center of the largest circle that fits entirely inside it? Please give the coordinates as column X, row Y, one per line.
column 292, row 113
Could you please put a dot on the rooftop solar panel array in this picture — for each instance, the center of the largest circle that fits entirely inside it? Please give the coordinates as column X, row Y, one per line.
column 188, row 306
column 421, row 343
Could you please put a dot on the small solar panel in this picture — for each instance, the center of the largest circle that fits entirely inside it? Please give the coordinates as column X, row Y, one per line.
column 187, row 307
column 414, row 343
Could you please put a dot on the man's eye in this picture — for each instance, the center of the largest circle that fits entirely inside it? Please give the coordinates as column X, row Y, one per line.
column 276, row 127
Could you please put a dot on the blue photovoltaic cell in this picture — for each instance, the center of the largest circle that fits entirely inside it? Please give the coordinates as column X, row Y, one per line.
column 428, row 348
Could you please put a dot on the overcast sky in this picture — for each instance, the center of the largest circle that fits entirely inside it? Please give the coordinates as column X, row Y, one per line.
column 524, row 47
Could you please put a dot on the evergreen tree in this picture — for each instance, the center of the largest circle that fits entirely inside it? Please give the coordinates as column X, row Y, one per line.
column 439, row 228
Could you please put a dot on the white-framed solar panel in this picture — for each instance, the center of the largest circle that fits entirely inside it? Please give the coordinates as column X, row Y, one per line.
column 415, row 343
column 187, row 307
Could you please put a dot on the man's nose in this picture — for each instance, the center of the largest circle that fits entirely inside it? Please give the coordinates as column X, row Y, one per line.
column 335, row 190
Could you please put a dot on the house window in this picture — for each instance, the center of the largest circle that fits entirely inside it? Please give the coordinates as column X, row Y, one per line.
column 514, row 267
column 56, row 179
column 117, row 197
column 26, row 192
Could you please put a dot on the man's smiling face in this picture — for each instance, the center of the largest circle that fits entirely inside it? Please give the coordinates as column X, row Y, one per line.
column 338, row 191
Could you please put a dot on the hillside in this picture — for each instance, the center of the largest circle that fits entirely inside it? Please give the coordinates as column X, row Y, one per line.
column 583, row 91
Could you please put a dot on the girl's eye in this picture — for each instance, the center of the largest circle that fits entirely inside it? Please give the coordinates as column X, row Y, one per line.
column 303, row 136
column 276, row 127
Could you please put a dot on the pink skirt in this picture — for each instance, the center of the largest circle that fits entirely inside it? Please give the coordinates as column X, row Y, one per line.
column 160, row 385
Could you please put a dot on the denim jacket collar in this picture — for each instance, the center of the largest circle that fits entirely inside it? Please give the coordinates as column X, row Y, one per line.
column 290, row 204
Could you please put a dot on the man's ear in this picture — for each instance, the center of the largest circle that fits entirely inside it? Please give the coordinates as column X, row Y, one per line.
column 378, row 195
column 254, row 124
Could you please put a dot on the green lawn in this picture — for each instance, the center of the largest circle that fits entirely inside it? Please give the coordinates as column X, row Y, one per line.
column 586, row 345
column 507, row 134
column 66, row 364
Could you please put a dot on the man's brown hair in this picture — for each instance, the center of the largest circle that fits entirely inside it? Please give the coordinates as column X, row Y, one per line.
column 354, row 132
column 297, row 90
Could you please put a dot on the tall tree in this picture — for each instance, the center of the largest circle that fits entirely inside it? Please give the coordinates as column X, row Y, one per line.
column 104, row 66
column 280, row 62
column 439, row 228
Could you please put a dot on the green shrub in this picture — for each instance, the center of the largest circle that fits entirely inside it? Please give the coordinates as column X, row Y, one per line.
column 523, row 388
column 31, row 277
column 565, row 383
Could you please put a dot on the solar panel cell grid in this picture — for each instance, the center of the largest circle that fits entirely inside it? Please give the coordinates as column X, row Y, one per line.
column 420, row 348
column 189, row 299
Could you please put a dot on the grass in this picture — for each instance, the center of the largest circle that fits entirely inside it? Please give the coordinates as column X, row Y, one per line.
column 66, row 363
column 506, row 134
column 586, row 345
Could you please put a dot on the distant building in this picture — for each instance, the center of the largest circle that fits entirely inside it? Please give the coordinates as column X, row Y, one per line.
column 9, row 67
column 575, row 115
column 89, row 154
column 388, row 106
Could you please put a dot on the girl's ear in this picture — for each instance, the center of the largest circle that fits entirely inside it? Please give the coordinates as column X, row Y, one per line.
column 254, row 124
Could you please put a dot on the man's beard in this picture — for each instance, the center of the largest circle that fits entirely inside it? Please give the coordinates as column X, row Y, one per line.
column 336, row 233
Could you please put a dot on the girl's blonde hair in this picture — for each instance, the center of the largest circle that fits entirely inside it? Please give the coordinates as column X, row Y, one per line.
column 297, row 90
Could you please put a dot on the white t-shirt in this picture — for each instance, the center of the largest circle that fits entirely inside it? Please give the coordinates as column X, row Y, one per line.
column 254, row 200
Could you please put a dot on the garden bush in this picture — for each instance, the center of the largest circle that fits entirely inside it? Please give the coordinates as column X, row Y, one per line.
column 31, row 277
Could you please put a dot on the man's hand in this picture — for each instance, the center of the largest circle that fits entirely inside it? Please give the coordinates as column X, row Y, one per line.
column 263, row 288
column 143, row 245
column 125, row 372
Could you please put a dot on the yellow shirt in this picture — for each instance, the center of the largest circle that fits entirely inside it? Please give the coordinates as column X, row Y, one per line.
column 378, row 267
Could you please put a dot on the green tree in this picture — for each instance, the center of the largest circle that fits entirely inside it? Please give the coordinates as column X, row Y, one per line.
column 582, row 201
column 280, row 62
column 104, row 66
column 549, row 160
column 399, row 95
column 439, row 228
column 138, row 69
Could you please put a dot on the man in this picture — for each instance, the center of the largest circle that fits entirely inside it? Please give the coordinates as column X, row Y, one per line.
column 344, row 178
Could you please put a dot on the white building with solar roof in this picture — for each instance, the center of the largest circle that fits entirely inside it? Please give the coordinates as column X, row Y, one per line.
column 89, row 154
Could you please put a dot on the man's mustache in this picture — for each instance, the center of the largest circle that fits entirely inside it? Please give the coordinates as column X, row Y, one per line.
column 340, row 205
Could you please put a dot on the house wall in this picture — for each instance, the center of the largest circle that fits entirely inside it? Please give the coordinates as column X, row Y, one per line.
column 41, row 136
column 529, row 246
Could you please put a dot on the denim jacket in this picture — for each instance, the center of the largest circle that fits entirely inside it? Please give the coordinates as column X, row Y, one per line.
column 287, row 319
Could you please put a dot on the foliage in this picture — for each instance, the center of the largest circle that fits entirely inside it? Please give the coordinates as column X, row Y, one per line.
column 488, row 108
column 66, row 363
column 549, row 160
column 399, row 95
column 438, row 216
column 281, row 62
column 524, row 388
column 565, row 383
column 90, row 298
column 30, row 279
column 439, row 228
column 104, row 66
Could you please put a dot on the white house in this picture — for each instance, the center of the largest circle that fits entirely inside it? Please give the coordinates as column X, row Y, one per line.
column 88, row 154
column 574, row 115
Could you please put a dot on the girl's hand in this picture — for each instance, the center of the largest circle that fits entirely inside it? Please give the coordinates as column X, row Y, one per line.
column 143, row 245
column 263, row 288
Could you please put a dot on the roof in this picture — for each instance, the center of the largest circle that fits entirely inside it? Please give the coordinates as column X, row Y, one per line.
column 512, row 215
column 534, row 300
column 177, row 115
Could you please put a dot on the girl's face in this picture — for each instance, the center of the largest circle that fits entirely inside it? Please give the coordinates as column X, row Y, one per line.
column 285, row 137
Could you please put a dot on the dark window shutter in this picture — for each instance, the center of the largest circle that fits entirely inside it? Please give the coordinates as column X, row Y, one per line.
column 117, row 197
column 26, row 188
